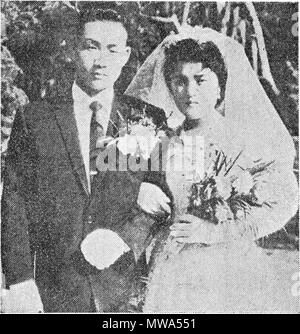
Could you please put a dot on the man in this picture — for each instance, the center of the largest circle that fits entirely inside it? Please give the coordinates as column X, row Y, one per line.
column 50, row 202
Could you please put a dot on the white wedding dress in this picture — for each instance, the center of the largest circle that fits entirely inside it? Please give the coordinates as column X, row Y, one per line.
column 234, row 276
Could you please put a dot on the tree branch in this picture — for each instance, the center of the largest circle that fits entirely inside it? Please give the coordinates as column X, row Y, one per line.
column 68, row 4
column 226, row 18
column 173, row 19
column 186, row 11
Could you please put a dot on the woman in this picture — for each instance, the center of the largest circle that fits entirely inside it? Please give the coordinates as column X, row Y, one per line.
column 206, row 86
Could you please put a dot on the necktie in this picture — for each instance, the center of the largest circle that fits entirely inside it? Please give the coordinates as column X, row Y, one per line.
column 96, row 133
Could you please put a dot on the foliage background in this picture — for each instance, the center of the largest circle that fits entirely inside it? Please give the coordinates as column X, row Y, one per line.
column 37, row 39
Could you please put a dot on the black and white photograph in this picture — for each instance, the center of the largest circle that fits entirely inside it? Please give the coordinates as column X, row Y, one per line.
column 149, row 158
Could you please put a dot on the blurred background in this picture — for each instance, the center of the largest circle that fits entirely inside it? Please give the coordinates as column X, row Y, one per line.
column 37, row 37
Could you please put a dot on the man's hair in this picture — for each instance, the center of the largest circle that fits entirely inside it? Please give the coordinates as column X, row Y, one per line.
column 189, row 51
column 101, row 12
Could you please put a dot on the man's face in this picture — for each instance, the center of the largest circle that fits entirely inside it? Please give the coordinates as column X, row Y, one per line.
column 100, row 55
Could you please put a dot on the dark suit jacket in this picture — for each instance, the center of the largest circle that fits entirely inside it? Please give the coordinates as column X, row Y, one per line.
column 47, row 209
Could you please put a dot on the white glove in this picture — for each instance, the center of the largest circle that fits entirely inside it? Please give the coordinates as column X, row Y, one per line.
column 103, row 247
column 153, row 200
column 22, row 297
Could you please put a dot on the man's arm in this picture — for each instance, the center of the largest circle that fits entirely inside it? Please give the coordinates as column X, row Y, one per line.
column 18, row 182
column 131, row 219
column 19, row 186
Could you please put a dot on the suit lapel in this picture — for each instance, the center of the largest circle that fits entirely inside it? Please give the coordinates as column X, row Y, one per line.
column 65, row 117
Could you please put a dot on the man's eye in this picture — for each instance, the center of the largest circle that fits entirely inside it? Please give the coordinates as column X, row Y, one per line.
column 89, row 47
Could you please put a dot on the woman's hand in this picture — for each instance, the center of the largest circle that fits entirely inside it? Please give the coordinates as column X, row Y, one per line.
column 191, row 229
column 153, row 200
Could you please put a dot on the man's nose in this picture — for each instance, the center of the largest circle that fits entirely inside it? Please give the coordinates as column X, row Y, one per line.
column 101, row 59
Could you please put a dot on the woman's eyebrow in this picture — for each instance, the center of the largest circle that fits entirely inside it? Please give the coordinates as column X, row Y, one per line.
column 178, row 75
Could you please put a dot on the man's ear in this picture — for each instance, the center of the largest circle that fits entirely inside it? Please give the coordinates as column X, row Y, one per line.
column 71, row 54
column 127, row 53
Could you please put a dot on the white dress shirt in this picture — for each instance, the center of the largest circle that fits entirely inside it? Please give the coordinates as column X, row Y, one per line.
column 83, row 115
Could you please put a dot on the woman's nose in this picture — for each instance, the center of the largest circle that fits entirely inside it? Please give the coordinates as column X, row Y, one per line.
column 192, row 89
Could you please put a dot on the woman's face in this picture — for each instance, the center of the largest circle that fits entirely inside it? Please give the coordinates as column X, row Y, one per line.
column 195, row 89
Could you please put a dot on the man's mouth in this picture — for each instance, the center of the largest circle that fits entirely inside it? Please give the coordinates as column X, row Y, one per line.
column 98, row 75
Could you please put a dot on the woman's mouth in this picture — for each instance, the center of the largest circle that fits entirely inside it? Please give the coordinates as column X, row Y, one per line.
column 192, row 103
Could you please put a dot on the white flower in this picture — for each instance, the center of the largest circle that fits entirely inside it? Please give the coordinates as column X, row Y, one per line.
column 262, row 192
column 141, row 140
column 161, row 134
column 223, row 213
column 243, row 183
column 128, row 144
column 240, row 214
column 223, row 186
column 207, row 192
column 146, row 145
column 102, row 247
column 197, row 202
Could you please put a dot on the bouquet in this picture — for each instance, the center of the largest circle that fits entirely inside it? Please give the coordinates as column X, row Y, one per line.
column 220, row 197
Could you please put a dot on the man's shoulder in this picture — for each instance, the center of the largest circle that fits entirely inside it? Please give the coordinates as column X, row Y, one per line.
column 33, row 112
column 40, row 104
column 41, row 109
column 58, row 96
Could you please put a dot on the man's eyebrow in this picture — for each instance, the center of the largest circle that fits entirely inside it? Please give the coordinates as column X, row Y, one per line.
column 110, row 46
column 92, row 41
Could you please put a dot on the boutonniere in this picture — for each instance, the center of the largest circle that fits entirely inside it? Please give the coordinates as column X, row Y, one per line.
column 138, row 136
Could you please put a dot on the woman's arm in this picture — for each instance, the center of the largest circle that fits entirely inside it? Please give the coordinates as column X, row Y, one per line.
column 281, row 189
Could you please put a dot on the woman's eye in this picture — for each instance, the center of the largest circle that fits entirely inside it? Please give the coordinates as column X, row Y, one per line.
column 199, row 80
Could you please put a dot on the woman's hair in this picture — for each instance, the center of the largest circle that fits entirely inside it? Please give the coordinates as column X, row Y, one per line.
column 189, row 51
